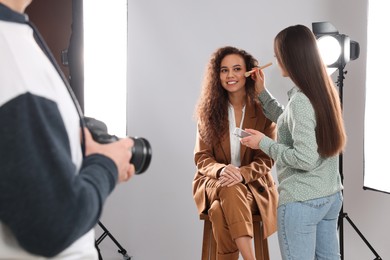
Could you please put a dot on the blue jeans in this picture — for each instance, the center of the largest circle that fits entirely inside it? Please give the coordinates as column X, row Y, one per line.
column 307, row 230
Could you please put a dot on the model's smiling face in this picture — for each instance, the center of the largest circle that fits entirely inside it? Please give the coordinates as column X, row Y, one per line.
column 232, row 73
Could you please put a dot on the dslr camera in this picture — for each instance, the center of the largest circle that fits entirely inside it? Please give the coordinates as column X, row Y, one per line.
column 141, row 151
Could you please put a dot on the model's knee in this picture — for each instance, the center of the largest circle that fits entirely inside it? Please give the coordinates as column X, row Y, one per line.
column 215, row 211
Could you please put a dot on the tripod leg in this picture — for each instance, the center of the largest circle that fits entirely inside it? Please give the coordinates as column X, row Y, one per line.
column 362, row 237
column 341, row 234
column 98, row 250
column 345, row 215
column 107, row 233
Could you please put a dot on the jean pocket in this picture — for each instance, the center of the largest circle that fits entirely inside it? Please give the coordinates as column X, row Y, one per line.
column 317, row 203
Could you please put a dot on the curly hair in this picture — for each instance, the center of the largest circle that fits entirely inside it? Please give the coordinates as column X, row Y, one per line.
column 212, row 108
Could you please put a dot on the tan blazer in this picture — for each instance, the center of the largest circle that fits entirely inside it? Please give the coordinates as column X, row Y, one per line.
column 255, row 168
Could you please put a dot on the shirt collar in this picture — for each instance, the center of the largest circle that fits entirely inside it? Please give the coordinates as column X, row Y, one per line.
column 230, row 106
column 292, row 91
column 8, row 15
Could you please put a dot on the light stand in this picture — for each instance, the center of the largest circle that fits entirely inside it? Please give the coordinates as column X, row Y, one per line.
column 343, row 214
column 107, row 233
column 348, row 50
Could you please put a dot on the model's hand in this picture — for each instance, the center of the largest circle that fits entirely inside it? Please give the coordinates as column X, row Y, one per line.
column 119, row 152
column 259, row 78
column 253, row 140
column 230, row 175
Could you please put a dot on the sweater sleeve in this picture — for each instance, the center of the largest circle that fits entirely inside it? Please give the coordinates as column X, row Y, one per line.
column 271, row 107
column 44, row 199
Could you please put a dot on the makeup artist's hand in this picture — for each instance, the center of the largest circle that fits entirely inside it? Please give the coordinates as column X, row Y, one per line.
column 259, row 78
column 253, row 140
column 230, row 175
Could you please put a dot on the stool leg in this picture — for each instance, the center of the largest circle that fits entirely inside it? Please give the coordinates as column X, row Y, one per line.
column 209, row 245
column 213, row 247
column 261, row 245
column 207, row 236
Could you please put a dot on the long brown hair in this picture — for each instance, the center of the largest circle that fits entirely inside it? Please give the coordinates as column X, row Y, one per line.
column 297, row 52
column 212, row 108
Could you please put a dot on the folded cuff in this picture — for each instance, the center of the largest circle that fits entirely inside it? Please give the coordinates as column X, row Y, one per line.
column 241, row 229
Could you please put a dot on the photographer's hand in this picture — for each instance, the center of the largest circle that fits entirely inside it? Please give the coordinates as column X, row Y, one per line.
column 119, row 152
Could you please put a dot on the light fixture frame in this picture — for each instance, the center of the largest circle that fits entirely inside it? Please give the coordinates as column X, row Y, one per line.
column 350, row 50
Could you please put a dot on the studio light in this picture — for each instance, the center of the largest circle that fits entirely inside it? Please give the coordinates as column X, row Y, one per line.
column 336, row 49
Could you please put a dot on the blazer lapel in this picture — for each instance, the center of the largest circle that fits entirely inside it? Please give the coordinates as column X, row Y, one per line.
column 225, row 145
column 250, row 121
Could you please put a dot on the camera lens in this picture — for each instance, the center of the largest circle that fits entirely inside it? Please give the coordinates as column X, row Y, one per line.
column 142, row 154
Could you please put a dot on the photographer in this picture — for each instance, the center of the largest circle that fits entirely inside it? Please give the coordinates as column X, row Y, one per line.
column 54, row 177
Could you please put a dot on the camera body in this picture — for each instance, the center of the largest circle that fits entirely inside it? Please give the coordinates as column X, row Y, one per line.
column 141, row 151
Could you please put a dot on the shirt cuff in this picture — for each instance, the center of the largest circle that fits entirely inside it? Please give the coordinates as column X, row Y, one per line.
column 265, row 144
column 264, row 96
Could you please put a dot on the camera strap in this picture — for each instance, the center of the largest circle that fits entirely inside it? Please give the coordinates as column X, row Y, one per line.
column 41, row 42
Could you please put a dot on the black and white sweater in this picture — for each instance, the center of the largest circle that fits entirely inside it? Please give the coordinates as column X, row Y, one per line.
column 50, row 196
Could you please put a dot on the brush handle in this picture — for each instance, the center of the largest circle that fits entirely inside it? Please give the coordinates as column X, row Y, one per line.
column 248, row 73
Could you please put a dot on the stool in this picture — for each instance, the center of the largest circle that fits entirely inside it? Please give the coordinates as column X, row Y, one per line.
column 209, row 245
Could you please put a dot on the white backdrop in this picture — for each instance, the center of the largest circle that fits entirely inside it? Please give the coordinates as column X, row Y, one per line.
column 376, row 100
column 154, row 216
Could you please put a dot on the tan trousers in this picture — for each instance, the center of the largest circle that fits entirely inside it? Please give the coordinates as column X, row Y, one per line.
column 230, row 213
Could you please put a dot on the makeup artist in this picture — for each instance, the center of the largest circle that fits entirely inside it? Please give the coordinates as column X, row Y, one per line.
column 311, row 136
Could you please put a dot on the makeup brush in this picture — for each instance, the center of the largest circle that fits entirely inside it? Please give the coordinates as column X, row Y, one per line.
column 248, row 73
